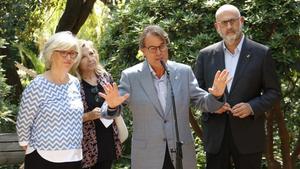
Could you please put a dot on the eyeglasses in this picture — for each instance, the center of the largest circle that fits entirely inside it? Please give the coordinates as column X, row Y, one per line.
column 230, row 21
column 65, row 53
column 153, row 49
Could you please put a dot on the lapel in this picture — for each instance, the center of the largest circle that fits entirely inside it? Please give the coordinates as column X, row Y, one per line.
column 243, row 61
column 173, row 78
column 146, row 81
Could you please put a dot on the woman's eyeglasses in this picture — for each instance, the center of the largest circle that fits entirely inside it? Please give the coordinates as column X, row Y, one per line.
column 65, row 53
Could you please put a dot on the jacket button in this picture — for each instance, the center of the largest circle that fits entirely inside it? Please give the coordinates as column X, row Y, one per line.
column 165, row 121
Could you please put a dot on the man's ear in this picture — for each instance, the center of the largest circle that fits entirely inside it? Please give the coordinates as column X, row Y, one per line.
column 216, row 26
column 242, row 20
column 143, row 50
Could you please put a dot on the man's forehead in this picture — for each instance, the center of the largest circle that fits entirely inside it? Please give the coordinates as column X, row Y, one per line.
column 228, row 14
column 151, row 39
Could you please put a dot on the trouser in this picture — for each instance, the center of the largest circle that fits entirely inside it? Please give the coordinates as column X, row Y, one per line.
column 229, row 157
column 35, row 161
column 168, row 162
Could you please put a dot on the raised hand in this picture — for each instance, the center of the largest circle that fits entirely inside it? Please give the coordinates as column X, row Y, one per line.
column 112, row 96
column 220, row 81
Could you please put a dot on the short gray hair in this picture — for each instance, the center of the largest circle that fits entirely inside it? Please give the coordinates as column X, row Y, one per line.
column 153, row 30
column 59, row 41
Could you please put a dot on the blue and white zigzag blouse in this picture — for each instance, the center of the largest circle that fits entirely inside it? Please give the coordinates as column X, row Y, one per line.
column 50, row 115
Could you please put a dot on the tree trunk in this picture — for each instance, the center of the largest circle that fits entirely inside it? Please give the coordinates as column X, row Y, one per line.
column 284, row 136
column 11, row 75
column 272, row 163
column 75, row 14
column 195, row 124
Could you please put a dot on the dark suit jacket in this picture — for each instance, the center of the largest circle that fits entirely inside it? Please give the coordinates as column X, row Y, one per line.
column 255, row 82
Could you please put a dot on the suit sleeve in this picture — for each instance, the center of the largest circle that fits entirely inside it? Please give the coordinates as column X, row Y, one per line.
column 270, row 87
column 203, row 100
column 199, row 71
column 124, row 86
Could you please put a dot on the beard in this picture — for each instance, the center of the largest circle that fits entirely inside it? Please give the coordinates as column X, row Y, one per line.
column 230, row 39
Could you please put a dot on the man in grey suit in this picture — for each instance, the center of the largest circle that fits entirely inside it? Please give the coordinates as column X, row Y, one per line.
column 237, row 134
column 153, row 137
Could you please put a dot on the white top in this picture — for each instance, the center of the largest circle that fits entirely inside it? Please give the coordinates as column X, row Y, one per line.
column 231, row 60
column 160, row 85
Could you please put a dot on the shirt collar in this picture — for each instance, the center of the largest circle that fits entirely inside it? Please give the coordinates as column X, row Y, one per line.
column 154, row 74
column 239, row 46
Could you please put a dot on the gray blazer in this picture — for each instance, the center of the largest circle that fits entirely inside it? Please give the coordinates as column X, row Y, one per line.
column 153, row 128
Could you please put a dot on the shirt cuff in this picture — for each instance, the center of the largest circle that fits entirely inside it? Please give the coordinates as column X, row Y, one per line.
column 251, row 110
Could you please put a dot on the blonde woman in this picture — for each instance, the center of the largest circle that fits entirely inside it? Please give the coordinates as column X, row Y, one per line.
column 101, row 144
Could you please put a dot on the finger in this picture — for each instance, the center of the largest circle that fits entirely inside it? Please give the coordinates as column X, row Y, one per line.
column 237, row 106
column 220, row 112
column 227, row 104
column 123, row 98
column 237, row 114
column 217, row 75
column 210, row 90
column 104, row 96
column 105, row 88
column 223, row 74
column 228, row 80
column 115, row 86
column 97, row 109
column 244, row 115
column 228, row 109
column 126, row 96
column 237, row 110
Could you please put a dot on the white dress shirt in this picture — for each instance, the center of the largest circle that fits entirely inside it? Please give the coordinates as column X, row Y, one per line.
column 160, row 85
column 231, row 60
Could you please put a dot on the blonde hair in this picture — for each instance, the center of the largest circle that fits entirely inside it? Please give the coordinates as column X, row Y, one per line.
column 59, row 41
column 99, row 68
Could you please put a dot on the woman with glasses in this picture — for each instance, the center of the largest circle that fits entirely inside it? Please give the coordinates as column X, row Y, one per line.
column 49, row 122
column 101, row 144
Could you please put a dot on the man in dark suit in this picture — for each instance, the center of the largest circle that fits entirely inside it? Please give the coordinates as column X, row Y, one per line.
column 237, row 134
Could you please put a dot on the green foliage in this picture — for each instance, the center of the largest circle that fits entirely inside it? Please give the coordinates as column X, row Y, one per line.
column 16, row 166
column 7, row 110
column 94, row 26
column 190, row 25
column 276, row 24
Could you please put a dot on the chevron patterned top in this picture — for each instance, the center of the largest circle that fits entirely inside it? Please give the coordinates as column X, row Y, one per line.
column 50, row 115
